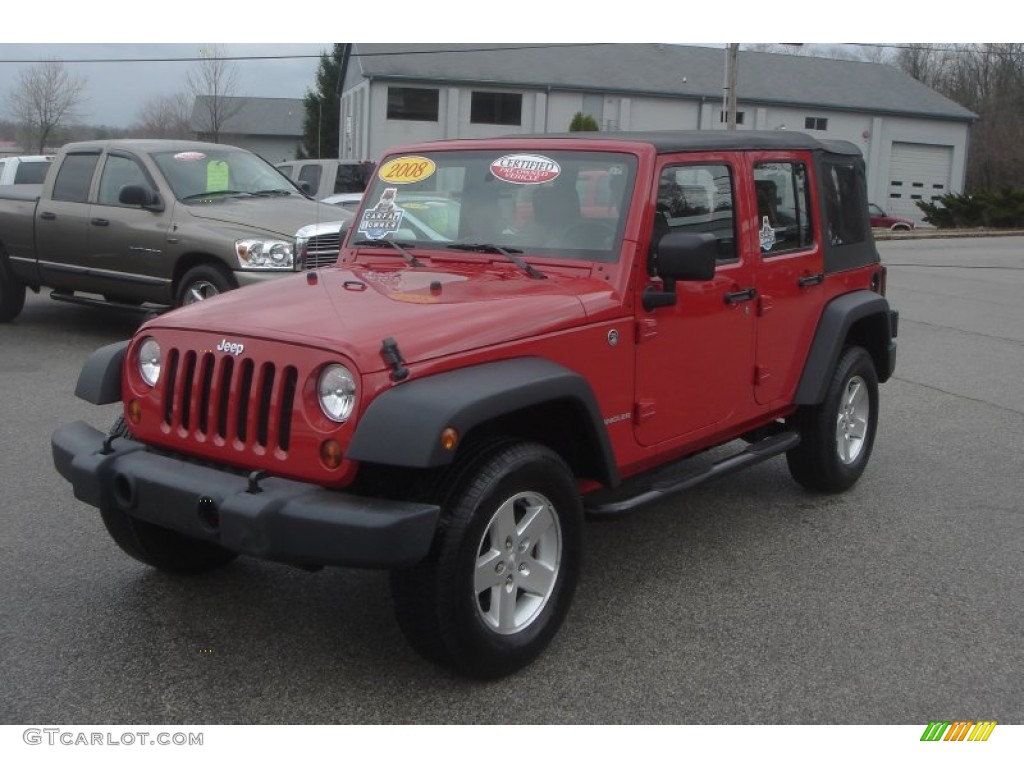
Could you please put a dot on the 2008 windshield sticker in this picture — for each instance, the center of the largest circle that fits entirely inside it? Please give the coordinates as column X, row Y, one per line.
column 407, row 170
column 525, row 169
column 384, row 218
column 190, row 156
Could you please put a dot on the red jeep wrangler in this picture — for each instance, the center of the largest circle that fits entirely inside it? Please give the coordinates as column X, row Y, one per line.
column 518, row 331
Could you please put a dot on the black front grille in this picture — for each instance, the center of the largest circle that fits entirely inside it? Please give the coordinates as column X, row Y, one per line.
column 322, row 250
column 236, row 400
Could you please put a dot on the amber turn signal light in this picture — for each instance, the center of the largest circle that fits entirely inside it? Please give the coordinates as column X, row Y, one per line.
column 330, row 453
column 449, row 439
column 134, row 411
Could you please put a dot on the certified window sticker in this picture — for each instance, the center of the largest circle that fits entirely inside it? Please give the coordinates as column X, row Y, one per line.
column 384, row 218
column 525, row 169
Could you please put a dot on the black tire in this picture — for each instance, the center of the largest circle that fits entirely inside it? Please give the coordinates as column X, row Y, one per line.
column 441, row 607
column 203, row 282
column 836, row 437
column 12, row 291
column 159, row 547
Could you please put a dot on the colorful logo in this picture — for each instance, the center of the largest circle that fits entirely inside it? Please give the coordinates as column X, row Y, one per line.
column 384, row 218
column 407, row 170
column 958, row 730
column 525, row 169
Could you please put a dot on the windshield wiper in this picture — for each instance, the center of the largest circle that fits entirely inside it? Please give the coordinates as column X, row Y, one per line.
column 218, row 193
column 413, row 261
column 272, row 193
column 508, row 253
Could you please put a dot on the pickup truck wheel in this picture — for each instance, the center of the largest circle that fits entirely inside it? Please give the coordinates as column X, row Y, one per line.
column 836, row 437
column 159, row 547
column 12, row 291
column 203, row 282
column 503, row 569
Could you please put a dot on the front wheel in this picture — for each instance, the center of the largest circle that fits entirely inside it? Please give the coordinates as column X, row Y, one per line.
column 836, row 437
column 503, row 570
column 203, row 282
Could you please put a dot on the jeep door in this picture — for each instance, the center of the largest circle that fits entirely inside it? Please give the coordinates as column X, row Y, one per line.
column 788, row 251
column 695, row 358
column 128, row 243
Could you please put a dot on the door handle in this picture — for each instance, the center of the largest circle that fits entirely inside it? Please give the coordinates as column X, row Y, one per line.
column 47, row 215
column 99, row 222
column 748, row 294
column 807, row 280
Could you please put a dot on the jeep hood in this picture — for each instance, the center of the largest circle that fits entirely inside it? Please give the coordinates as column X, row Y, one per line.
column 430, row 313
column 282, row 216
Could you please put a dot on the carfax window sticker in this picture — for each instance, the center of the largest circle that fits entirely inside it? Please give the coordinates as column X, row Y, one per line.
column 384, row 218
column 525, row 169
column 407, row 170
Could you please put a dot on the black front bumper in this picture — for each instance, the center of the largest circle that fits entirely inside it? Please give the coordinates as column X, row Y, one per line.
column 285, row 520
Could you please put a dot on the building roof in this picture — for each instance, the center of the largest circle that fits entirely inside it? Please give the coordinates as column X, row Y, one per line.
column 659, row 69
column 251, row 116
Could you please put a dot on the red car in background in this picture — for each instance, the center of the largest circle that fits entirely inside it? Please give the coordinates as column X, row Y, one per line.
column 881, row 219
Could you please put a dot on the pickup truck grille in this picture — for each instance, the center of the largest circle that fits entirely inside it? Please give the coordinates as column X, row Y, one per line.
column 322, row 250
column 243, row 402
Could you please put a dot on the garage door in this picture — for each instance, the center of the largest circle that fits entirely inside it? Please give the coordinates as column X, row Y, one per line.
column 917, row 172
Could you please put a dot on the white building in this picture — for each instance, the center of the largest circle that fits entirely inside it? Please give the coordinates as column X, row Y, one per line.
column 914, row 140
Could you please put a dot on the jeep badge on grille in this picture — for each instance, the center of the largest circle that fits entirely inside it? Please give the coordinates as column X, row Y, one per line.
column 230, row 346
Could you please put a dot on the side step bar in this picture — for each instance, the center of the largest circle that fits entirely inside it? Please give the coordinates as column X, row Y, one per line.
column 72, row 298
column 762, row 450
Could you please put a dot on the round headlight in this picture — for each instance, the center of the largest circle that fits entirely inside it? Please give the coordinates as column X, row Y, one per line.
column 336, row 390
column 149, row 361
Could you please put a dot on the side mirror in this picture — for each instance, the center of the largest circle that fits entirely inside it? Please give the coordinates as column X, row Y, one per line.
column 305, row 186
column 687, row 256
column 136, row 194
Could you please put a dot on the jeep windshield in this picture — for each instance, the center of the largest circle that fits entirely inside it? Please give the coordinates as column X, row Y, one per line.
column 197, row 176
column 552, row 203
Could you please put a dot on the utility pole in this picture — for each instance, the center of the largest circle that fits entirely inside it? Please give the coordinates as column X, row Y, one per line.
column 731, row 73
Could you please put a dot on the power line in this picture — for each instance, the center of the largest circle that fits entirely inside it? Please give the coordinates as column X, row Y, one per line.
column 185, row 59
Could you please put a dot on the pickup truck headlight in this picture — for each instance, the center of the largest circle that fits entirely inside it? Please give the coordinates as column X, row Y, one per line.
column 255, row 253
column 149, row 361
column 336, row 390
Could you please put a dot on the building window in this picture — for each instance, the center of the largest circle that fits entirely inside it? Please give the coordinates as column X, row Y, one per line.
column 723, row 117
column 413, row 104
column 816, row 123
column 496, row 108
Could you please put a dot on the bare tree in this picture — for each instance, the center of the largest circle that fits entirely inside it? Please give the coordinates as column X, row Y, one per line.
column 165, row 117
column 44, row 97
column 212, row 83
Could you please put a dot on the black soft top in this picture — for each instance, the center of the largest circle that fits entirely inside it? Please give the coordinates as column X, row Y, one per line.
column 665, row 142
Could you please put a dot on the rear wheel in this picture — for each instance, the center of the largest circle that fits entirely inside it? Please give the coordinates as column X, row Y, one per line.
column 836, row 437
column 503, row 569
column 159, row 547
column 12, row 291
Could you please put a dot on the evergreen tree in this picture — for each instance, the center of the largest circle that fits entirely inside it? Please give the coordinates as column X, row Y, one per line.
column 321, row 123
column 582, row 122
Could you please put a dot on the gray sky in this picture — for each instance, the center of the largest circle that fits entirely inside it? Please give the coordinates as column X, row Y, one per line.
column 116, row 91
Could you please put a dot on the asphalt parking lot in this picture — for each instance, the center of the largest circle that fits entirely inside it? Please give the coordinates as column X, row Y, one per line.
column 747, row 600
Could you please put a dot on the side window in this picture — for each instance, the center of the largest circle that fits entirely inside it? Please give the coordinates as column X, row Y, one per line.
column 74, row 177
column 842, row 185
column 783, row 207
column 698, row 198
column 311, row 175
column 119, row 172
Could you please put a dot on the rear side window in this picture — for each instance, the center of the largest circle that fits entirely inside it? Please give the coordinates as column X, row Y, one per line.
column 74, row 178
column 842, row 184
column 783, row 207
column 32, row 172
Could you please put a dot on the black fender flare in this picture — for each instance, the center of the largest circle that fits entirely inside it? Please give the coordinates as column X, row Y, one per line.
column 99, row 382
column 834, row 326
column 403, row 426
